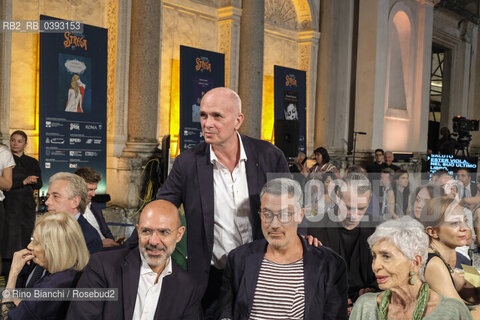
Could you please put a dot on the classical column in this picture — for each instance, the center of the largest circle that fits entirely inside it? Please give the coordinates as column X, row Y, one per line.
column 250, row 85
column 145, row 44
column 229, row 41
column 308, row 54
column 5, row 63
column 124, row 173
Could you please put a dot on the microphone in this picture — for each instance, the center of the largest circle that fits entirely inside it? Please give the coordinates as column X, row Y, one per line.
column 360, row 132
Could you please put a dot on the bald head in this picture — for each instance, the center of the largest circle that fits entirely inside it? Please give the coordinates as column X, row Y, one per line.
column 159, row 230
column 160, row 208
column 227, row 96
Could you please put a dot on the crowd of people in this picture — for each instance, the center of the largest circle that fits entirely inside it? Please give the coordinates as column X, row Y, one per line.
column 264, row 241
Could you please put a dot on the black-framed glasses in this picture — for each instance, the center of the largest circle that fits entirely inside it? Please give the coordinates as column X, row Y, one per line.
column 283, row 216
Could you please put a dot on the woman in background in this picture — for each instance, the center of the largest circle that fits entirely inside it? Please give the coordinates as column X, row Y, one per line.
column 323, row 164
column 446, row 225
column 57, row 246
column 19, row 200
column 401, row 190
column 420, row 197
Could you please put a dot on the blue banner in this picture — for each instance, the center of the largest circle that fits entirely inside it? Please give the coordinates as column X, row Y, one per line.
column 73, row 102
column 200, row 71
column 290, row 99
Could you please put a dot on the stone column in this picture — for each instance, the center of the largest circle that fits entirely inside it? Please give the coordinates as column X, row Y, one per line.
column 143, row 93
column 5, row 63
column 229, row 40
column 145, row 44
column 308, row 54
column 333, row 95
column 250, row 85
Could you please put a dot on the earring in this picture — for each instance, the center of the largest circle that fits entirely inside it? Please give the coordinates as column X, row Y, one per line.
column 412, row 279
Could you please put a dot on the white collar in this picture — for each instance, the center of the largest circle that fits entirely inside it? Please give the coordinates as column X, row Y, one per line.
column 243, row 155
column 146, row 269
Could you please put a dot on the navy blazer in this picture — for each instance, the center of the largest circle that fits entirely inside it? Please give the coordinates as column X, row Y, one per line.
column 191, row 182
column 179, row 297
column 97, row 213
column 325, row 277
column 94, row 243
column 55, row 309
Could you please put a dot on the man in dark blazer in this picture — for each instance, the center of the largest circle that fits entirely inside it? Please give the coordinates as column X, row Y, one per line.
column 310, row 282
column 469, row 187
column 67, row 193
column 93, row 212
column 196, row 178
column 140, row 272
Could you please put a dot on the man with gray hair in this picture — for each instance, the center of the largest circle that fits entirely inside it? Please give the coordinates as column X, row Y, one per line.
column 68, row 193
column 281, row 276
column 348, row 234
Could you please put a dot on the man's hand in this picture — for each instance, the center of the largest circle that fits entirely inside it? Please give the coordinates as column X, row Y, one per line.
column 30, row 180
column 311, row 240
column 107, row 242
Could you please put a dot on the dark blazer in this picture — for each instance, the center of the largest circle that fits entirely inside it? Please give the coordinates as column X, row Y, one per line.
column 325, row 279
column 191, row 182
column 97, row 212
column 330, row 237
column 94, row 243
column 55, row 309
column 179, row 297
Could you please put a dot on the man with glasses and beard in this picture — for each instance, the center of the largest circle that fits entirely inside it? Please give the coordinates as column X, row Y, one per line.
column 150, row 285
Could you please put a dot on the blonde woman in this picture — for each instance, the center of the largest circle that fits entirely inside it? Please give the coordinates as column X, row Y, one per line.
column 446, row 225
column 59, row 252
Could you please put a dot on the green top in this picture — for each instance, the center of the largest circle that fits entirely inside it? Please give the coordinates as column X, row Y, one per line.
column 366, row 308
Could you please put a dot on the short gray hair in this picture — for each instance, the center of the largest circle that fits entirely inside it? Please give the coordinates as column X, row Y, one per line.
column 281, row 186
column 76, row 187
column 408, row 235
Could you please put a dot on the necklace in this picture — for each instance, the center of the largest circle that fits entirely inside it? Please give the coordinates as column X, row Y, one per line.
column 419, row 307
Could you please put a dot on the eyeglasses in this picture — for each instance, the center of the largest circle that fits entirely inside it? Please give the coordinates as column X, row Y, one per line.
column 283, row 216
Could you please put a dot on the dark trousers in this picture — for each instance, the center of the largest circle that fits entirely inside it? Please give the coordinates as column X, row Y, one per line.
column 209, row 300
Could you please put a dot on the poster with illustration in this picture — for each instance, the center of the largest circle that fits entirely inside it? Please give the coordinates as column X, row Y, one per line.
column 290, row 99
column 73, row 102
column 74, row 83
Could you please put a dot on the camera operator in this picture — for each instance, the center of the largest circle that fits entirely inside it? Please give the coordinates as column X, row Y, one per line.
column 446, row 144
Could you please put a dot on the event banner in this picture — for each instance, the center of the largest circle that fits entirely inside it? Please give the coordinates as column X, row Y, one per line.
column 290, row 99
column 200, row 71
column 452, row 163
column 73, row 102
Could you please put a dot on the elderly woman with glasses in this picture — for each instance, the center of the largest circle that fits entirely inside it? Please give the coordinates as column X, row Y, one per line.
column 399, row 249
column 59, row 253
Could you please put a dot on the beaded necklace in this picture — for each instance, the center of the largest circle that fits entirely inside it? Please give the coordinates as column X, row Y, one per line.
column 419, row 307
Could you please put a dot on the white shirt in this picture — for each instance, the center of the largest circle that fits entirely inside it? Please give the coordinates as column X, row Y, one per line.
column 467, row 191
column 148, row 291
column 232, row 225
column 92, row 220
column 6, row 161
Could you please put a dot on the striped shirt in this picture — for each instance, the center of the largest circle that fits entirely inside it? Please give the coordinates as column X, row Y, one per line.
column 280, row 292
